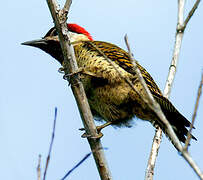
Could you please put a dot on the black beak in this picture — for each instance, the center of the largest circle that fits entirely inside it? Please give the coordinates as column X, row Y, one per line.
column 51, row 47
column 36, row 43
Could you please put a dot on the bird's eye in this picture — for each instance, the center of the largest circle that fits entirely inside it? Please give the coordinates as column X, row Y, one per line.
column 54, row 33
column 51, row 32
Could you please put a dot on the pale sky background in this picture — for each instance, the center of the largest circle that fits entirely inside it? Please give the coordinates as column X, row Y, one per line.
column 31, row 87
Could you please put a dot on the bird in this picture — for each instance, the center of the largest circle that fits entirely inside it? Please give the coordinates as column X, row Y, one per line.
column 110, row 97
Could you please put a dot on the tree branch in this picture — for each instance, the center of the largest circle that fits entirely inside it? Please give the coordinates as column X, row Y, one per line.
column 51, row 144
column 39, row 168
column 77, row 165
column 191, row 13
column 187, row 142
column 156, row 108
column 149, row 100
column 176, row 52
column 171, row 75
column 147, row 96
column 59, row 17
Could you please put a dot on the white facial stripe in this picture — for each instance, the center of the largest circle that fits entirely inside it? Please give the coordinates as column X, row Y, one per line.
column 74, row 37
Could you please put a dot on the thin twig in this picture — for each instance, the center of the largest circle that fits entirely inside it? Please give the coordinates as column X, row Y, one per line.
column 78, row 164
column 187, row 142
column 59, row 17
column 152, row 103
column 191, row 13
column 156, row 108
column 192, row 164
column 146, row 96
column 39, row 168
column 171, row 75
column 51, row 144
column 158, row 134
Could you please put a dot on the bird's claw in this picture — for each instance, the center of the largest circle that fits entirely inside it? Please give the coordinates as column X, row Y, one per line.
column 82, row 129
column 68, row 76
column 61, row 70
column 98, row 136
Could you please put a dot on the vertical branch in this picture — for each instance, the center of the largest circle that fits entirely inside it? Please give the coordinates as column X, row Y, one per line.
column 156, row 108
column 167, row 90
column 60, row 17
column 181, row 25
column 177, row 47
column 153, row 154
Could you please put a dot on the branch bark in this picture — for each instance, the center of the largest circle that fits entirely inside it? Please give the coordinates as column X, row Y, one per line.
column 60, row 17
column 181, row 25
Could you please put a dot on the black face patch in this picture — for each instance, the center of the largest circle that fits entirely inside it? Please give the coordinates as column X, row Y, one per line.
column 51, row 32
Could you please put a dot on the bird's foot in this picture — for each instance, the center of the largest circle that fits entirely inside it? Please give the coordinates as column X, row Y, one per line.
column 98, row 136
column 70, row 75
column 85, row 135
column 99, row 133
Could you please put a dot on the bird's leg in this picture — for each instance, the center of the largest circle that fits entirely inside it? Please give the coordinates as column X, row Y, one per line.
column 99, row 128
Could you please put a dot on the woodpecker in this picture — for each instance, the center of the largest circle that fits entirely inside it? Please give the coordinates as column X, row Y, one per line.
column 110, row 97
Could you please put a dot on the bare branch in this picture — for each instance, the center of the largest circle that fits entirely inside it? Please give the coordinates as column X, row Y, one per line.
column 153, row 154
column 77, row 165
column 156, row 108
column 192, row 163
column 148, row 98
column 187, row 142
column 59, row 17
column 67, row 6
column 181, row 25
column 51, row 144
column 39, row 168
column 191, row 13
column 176, row 52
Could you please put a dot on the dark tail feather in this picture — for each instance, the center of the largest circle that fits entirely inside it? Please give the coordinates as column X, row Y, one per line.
column 177, row 120
column 179, row 124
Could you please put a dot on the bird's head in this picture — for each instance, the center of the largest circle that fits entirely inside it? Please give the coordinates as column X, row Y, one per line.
column 50, row 42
